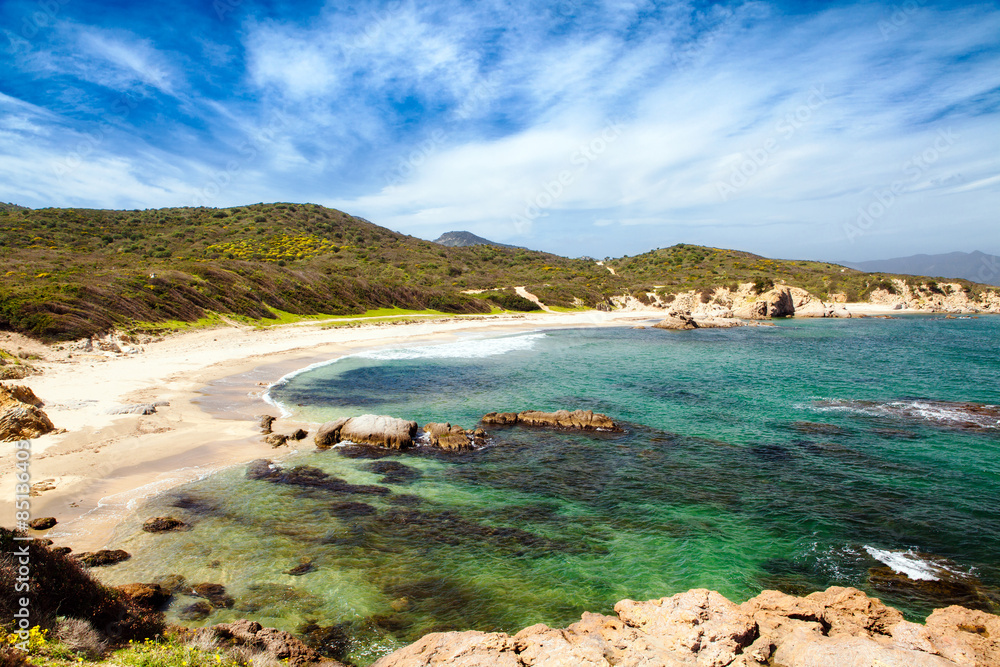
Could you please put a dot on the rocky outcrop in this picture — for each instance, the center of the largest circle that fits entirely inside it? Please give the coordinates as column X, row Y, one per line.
column 582, row 420
column 677, row 321
column 839, row 627
column 820, row 309
column 42, row 523
column 778, row 302
column 21, row 416
column 266, row 421
column 270, row 646
column 447, row 436
column 378, row 430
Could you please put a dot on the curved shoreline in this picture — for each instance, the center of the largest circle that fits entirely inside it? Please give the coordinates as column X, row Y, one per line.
column 104, row 465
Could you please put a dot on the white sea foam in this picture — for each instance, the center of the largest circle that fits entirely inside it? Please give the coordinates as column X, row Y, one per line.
column 476, row 348
column 911, row 564
column 472, row 348
column 939, row 412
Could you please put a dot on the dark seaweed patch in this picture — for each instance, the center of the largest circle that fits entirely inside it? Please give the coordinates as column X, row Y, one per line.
column 394, row 472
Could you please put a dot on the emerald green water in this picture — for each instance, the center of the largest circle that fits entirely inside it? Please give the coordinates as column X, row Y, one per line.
column 753, row 458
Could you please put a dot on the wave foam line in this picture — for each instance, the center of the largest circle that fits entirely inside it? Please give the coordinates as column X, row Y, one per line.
column 478, row 348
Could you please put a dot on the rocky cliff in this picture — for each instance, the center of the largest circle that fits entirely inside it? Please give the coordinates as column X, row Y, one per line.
column 786, row 300
column 839, row 627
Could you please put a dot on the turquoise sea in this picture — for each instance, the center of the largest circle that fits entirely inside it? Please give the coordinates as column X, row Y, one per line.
column 792, row 457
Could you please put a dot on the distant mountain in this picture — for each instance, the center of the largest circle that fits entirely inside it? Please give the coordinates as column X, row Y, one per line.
column 465, row 239
column 975, row 266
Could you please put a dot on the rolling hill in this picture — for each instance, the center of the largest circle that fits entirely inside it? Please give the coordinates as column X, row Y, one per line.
column 69, row 273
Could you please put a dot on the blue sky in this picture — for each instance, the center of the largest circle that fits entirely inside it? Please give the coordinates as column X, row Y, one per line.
column 813, row 130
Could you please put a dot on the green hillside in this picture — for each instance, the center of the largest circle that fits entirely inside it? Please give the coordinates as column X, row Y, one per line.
column 74, row 272
column 686, row 267
column 68, row 273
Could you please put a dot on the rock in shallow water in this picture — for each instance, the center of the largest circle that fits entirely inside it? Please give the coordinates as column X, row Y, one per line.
column 378, row 430
column 582, row 420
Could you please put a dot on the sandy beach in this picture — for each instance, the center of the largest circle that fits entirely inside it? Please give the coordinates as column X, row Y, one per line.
column 103, row 465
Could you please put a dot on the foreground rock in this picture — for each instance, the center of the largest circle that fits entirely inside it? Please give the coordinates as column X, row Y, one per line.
column 583, row 420
column 270, row 646
column 839, row 627
column 21, row 416
column 378, row 430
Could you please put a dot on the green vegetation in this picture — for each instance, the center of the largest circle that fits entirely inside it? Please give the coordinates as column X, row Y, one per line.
column 69, row 273
column 75, row 272
column 686, row 267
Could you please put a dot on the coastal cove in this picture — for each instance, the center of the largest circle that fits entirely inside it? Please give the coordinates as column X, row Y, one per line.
column 790, row 457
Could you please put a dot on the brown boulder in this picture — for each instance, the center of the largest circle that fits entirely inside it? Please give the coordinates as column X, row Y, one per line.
column 20, row 421
column 500, row 418
column 378, row 430
column 42, row 523
column 276, row 440
column 266, row 421
column 12, row 394
column 447, row 436
column 147, row 596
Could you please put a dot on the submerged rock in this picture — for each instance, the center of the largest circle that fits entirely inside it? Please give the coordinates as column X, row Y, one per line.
column 583, row 420
column 677, row 321
column 214, row 593
column 378, row 430
column 163, row 524
column 150, row 597
column 839, row 627
column 103, row 557
column 949, row 586
column 308, row 476
column 198, row 611
column 394, row 472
